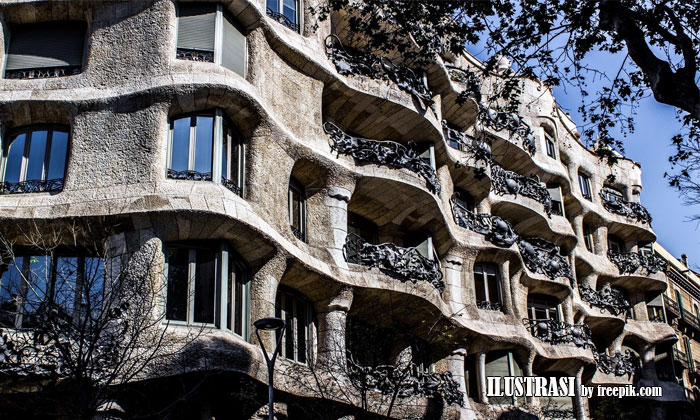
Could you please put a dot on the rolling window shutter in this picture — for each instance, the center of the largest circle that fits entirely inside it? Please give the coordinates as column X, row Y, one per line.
column 49, row 44
column 196, row 26
column 233, row 54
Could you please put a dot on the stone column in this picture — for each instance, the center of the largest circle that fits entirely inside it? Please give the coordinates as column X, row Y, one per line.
column 453, row 280
column 481, row 376
column 506, row 296
column 331, row 328
column 580, row 403
column 337, row 201
column 648, row 363
column 263, row 290
column 601, row 241
column 454, row 363
column 639, row 305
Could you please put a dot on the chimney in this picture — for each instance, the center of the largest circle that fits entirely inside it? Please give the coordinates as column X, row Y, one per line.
column 684, row 259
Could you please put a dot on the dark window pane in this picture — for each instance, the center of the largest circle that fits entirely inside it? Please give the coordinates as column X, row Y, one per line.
column 479, row 288
column 205, row 286
column 181, row 144
column 296, row 210
column 301, row 332
column 238, row 325
column 290, row 10
column 11, row 281
column 225, row 170
column 66, row 283
column 273, row 5
column 492, row 281
column 178, row 264
column 92, row 289
column 204, row 144
column 57, row 159
column 13, row 165
column 37, row 288
column 289, row 334
column 37, row 151
column 541, row 313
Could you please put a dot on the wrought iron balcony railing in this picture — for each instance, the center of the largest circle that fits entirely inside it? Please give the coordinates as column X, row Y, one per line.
column 51, row 185
column 691, row 320
column 539, row 255
column 232, row 185
column 189, row 175
column 555, row 332
column 298, row 233
column 680, row 357
column 42, row 73
column 629, row 262
column 512, row 122
column 606, row 298
column 284, row 20
column 349, row 62
column 387, row 153
column 195, row 55
column 508, row 182
column 618, row 364
column 628, row 209
column 489, row 306
column 467, row 78
column 672, row 306
column 404, row 264
column 405, row 381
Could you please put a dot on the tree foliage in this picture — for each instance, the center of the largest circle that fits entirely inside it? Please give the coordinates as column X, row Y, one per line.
column 655, row 42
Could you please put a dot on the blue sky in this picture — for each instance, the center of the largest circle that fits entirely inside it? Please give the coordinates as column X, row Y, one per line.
column 650, row 145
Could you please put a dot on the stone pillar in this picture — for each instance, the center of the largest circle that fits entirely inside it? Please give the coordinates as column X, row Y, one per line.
column 331, row 329
column 481, row 376
column 455, row 365
column 639, row 305
column 648, row 363
column 600, row 239
column 263, row 290
column 337, row 201
column 527, row 371
column 580, row 403
column 506, row 296
column 453, row 280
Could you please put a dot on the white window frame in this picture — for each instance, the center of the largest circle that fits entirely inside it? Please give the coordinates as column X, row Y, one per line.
column 28, row 131
column 584, row 183
column 284, row 294
column 298, row 11
column 485, row 281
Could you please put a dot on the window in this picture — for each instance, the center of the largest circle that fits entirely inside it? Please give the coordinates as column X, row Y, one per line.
column 297, row 209
column 207, row 284
column 426, row 151
column 298, row 335
column 363, row 228
column 549, row 143
column 30, row 282
column 500, row 364
column 194, row 145
column 423, row 243
column 655, row 307
column 464, row 200
column 542, row 307
column 47, row 49
column 359, row 333
column 557, row 201
column 34, row 159
column 616, row 245
column 206, row 33
column 588, row 237
column 646, row 248
column 285, row 12
column 487, row 286
column 689, row 354
column 584, row 184
column 612, row 195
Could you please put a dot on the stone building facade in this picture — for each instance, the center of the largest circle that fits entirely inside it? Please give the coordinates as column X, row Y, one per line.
column 385, row 213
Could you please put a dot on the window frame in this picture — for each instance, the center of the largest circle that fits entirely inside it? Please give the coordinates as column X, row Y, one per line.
column 280, row 11
column 28, row 132
column 588, row 239
column 543, row 302
column 584, row 185
column 549, row 142
column 558, row 198
column 283, row 293
column 619, row 244
column 295, row 186
column 512, row 362
column 485, row 283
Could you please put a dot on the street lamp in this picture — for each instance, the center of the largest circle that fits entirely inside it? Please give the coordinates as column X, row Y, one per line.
column 270, row 324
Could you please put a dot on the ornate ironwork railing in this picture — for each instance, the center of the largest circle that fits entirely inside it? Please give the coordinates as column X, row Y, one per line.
column 284, row 20
column 628, row 209
column 672, row 306
column 554, row 332
column 42, row 73
column 629, row 262
column 51, row 185
column 479, row 150
column 297, row 233
column 657, row 319
column 349, row 62
column 387, row 152
column 691, row 320
column 489, row 306
column 469, row 79
column 539, row 255
column 606, row 298
column 189, row 175
column 195, row 55
column 542, row 256
column 508, row 182
column 232, row 185
column 405, row 381
column 618, row 364
column 404, row 264
column 512, row 122
column 497, row 230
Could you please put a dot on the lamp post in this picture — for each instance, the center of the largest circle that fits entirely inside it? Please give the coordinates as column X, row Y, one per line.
column 270, row 324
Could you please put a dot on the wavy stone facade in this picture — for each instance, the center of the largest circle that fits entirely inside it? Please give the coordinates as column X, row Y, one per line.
column 464, row 231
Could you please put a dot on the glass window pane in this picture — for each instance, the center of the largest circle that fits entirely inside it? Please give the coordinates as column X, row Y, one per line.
column 178, row 264
column 225, row 170
column 296, row 210
column 57, row 159
column 205, row 286
column 13, row 165
column 10, row 287
column 238, row 324
column 92, row 289
column 289, row 333
column 479, row 288
column 204, row 145
column 290, row 10
column 181, row 144
column 301, row 332
column 66, row 283
column 492, row 281
column 273, row 5
column 37, row 151
column 37, row 288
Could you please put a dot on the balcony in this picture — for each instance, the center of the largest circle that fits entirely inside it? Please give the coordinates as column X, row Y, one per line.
column 349, row 62
column 43, row 73
column 628, row 209
column 403, row 264
column 691, row 320
column 628, row 263
column 284, row 20
column 606, row 298
column 672, row 306
column 555, row 332
column 618, row 364
column 497, row 230
column 508, row 182
column 52, row 185
column 489, row 306
column 386, row 153
column 510, row 121
column 404, row 381
column 680, row 357
column 478, row 150
column 467, row 78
